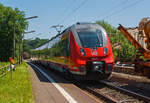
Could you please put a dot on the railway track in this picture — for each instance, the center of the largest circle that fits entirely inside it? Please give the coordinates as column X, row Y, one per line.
column 134, row 96
column 110, row 93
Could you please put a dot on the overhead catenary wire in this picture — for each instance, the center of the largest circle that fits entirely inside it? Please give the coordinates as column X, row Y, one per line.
column 133, row 4
column 122, row 9
column 107, row 16
column 63, row 15
column 66, row 9
column 73, row 11
column 114, row 8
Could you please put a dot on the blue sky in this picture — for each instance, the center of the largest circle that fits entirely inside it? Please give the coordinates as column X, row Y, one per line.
column 68, row 12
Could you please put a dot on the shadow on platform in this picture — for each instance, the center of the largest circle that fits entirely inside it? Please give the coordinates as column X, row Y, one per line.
column 56, row 76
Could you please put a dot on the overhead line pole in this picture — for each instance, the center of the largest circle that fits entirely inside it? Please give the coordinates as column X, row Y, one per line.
column 21, row 49
column 29, row 32
column 31, row 17
column 14, row 44
column 21, row 39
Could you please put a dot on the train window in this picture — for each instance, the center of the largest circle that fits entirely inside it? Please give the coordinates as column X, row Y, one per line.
column 61, row 48
column 66, row 47
column 90, row 39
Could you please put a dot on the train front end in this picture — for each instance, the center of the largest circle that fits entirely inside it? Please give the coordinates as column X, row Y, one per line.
column 90, row 51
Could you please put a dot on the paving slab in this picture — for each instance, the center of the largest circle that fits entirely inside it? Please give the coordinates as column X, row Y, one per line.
column 45, row 92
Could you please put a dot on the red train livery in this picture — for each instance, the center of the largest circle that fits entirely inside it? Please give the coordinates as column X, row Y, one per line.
column 82, row 51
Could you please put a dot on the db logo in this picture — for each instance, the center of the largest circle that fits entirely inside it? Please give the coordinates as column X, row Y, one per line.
column 94, row 52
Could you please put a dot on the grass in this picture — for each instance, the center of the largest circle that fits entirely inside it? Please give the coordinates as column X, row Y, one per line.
column 3, row 64
column 17, row 90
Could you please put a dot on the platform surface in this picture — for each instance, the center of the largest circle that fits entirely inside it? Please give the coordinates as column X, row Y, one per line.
column 45, row 92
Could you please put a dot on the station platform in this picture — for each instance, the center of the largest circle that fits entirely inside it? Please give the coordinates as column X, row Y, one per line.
column 56, row 89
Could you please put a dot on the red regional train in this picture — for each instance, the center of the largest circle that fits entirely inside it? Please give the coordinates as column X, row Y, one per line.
column 82, row 51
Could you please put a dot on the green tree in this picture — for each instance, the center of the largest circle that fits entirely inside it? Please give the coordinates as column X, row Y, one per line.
column 127, row 51
column 28, row 45
column 11, row 21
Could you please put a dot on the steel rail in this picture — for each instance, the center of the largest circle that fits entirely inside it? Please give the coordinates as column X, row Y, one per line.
column 105, row 95
column 101, row 94
column 139, row 96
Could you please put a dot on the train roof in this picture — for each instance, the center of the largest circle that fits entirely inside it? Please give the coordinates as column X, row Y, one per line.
column 86, row 25
column 51, row 42
column 77, row 26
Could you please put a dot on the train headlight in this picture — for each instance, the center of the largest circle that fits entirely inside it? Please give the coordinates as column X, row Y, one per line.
column 82, row 52
column 104, row 51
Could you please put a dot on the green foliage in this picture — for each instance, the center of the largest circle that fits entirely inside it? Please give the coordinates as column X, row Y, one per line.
column 11, row 21
column 2, row 64
column 127, row 51
column 17, row 90
column 28, row 45
column 59, row 49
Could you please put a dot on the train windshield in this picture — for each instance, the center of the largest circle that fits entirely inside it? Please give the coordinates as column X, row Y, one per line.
column 90, row 39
